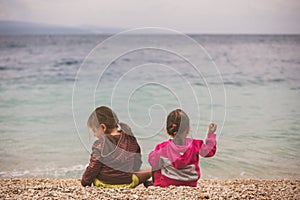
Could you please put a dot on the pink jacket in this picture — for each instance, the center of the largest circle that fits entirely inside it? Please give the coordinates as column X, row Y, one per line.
column 179, row 165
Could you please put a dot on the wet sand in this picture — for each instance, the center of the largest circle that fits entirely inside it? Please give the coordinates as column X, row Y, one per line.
column 206, row 189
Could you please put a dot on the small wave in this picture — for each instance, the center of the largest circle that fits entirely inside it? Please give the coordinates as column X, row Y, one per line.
column 72, row 171
column 199, row 84
column 14, row 45
column 5, row 68
column 233, row 83
column 239, row 84
column 70, row 79
column 2, row 68
column 126, row 59
column 295, row 88
column 290, row 61
column 276, row 80
column 67, row 63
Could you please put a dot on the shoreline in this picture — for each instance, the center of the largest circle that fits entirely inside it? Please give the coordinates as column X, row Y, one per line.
column 36, row 188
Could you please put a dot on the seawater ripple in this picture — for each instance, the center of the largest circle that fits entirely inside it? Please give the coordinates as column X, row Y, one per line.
column 261, row 74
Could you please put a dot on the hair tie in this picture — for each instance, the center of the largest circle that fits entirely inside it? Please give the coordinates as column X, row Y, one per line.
column 174, row 125
column 119, row 128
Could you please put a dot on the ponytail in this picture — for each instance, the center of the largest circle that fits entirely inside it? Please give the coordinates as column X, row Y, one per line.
column 177, row 122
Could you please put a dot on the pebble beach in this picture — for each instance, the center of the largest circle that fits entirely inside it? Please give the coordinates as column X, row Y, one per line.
column 206, row 189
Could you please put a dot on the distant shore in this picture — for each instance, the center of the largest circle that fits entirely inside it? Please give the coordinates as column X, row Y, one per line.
column 206, row 189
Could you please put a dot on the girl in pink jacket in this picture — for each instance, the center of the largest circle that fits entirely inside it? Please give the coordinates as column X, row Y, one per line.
column 176, row 161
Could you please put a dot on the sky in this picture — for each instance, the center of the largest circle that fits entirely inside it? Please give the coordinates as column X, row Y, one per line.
column 188, row 16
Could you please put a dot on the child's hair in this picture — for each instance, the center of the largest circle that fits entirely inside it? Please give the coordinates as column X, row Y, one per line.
column 177, row 122
column 103, row 115
column 126, row 128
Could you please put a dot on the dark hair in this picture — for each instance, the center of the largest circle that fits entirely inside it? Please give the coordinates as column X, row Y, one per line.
column 103, row 115
column 126, row 128
column 177, row 122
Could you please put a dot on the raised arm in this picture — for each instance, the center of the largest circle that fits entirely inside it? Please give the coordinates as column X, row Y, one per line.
column 208, row 149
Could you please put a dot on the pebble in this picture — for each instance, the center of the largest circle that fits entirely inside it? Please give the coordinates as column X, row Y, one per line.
column 206, row 189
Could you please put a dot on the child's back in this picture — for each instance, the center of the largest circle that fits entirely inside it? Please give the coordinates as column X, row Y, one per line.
column 116, row 158
column 116, row 155
column 176, row 161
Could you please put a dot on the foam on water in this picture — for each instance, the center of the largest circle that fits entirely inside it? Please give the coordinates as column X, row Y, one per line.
column 48, row 172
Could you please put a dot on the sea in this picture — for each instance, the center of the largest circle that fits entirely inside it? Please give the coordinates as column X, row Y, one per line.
column 248, row 84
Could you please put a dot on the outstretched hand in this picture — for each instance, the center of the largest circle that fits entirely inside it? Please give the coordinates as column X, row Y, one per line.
column 212, row 127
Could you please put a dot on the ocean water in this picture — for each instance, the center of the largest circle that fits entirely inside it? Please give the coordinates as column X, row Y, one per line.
column 248, row 84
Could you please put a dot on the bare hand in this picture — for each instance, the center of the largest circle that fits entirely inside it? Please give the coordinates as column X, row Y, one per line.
column 212, row 127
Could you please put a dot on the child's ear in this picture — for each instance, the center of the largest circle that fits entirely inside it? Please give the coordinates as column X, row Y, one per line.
column 103, row 127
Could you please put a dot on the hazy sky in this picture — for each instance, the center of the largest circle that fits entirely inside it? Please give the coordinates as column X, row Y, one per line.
column 192, row 16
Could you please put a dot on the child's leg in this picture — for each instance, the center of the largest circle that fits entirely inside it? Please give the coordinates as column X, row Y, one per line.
column 152, row 174
column 143, row 175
